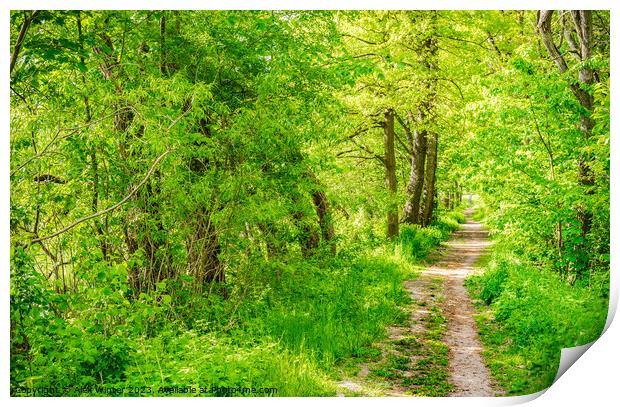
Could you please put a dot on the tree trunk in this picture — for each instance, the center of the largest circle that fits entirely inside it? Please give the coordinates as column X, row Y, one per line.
column 309, row 237
column 162, row 45
column 203, row 245
column 390, row 172
column 321, row 204
column 20, row 38
column 429, row 180
column 417, row 178
column 415, row 186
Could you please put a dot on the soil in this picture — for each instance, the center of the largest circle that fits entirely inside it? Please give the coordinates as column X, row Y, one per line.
column 468, row 373
column 439, row 288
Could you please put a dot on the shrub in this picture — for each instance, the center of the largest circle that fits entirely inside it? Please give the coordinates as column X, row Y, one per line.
column 417, row 242
column 536, row 313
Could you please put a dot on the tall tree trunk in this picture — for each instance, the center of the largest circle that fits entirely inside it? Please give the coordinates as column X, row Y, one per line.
column 390, row 172
column 429, row 180
column 203, row 245
column 415, row 186
column 419, row 164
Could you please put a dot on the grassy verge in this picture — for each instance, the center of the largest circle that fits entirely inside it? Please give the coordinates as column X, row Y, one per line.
column 526, row 315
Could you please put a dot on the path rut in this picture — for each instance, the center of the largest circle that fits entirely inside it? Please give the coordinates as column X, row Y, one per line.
column 440, row 288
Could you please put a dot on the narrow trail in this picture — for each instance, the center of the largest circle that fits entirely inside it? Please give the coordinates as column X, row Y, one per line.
column 438, row 352
column 468, row 373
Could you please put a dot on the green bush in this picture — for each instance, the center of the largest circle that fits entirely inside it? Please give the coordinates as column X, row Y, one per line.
column 417, row 242
column 493, row 281
column 536, row 313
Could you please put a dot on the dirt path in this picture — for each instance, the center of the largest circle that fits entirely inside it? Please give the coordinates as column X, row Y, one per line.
column 437, row 352
column 468, row 374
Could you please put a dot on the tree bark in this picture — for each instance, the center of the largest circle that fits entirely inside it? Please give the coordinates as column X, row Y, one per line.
column 203, row 245
column 429, row 180
column 418, row 145
column 419, row 163
column 390, row 172
column 20, row 38
column 321, row 204
column 204, row 250
column 162, row 45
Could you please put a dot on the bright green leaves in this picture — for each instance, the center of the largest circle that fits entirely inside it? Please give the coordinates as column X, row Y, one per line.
column 528, row 146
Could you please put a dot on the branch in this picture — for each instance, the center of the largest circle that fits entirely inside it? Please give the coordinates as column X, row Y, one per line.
column 361, row 39
column 358, row 132
column 542, row 139
column 56, row 137
column 361, row 157
column 464, row 40
column 49, row 178
column 369, row 151
column 544, row 27
column 41, row 153
column 455, row 84
column 23, row 99
column 110, row 209
column 368, row 54
column 20, row 38
column 361, row 146
column 492, row 42
column 351, row 150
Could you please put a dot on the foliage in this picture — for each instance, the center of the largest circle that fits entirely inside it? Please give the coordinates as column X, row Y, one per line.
column 532, row 315
column 417, row 242
column 200, row 196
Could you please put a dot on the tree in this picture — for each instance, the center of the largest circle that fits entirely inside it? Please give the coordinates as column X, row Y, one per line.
column 580, row 48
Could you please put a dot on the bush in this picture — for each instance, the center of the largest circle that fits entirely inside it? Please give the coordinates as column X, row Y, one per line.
column 537, row 313
column 493, row 282
column 417, row 242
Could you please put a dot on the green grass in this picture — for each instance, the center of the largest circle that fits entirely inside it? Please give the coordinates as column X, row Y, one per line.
column 418, row 363
column 526, row 315
column 294, row 325
column 431, row 370
column 416, row 242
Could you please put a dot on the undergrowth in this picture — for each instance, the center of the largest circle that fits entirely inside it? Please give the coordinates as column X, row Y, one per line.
column 526, row 314
column 286, row 324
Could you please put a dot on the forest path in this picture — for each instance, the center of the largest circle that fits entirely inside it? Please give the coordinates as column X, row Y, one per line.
column 468, row 373
column 438, row 352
